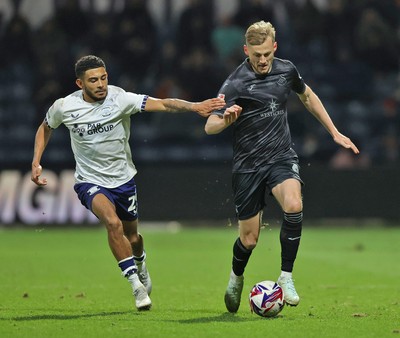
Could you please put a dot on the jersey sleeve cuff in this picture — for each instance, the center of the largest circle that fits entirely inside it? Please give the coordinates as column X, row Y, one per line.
column 144, row 103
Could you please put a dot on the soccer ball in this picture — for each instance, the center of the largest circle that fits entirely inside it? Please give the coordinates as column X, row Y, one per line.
column 266, row 299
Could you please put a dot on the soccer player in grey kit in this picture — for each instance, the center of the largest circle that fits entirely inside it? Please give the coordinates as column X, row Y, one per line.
column 98, row 119
column 263, row 160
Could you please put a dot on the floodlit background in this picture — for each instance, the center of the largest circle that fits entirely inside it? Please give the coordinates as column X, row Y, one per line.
column 347, row 51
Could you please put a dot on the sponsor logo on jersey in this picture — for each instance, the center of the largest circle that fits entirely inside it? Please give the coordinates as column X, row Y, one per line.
column 92, row 128
column 97, row 128
column 272, row 107
column 78, row 130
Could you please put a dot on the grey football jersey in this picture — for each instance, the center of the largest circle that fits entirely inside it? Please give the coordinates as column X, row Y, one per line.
column 261, row 134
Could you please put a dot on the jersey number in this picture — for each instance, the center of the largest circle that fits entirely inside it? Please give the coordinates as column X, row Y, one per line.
column 133, row 206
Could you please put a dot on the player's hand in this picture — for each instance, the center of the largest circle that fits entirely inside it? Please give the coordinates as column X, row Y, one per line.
column 345, row 142
column 206, row 107
column 35, row 176
column 231, row 114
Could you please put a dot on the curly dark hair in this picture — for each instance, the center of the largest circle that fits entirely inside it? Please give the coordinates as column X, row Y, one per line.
column 87, row 62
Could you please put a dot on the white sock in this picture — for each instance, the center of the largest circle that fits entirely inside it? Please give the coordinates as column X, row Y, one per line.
column 286, row 274
column 134, row 280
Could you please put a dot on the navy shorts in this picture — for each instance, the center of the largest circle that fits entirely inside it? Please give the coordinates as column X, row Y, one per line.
column 123, row 197
column 249, row 189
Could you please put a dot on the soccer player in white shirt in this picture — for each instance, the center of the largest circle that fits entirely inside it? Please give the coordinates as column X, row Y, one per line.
column 98, row 119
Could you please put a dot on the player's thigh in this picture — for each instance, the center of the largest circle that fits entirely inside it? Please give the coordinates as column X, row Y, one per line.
column 104, row 209
column 288, row 195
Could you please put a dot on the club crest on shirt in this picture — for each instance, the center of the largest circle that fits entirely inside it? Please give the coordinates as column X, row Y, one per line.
column 282, row 81
column 106, row 111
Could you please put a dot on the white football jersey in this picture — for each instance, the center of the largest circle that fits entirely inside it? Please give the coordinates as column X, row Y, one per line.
column 99, row 133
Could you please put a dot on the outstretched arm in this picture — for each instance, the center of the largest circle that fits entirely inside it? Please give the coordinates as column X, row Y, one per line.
column 215, row 123
column 314, row 105
column 42, row 137
column 204, row 108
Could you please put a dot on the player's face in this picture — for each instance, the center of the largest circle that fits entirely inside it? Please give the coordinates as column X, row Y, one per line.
column 94, row 84
column 261, row 56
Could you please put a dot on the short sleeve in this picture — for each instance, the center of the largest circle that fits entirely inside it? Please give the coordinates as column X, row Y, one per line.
column 132, row 103
column 54, row 115
column 298, row 83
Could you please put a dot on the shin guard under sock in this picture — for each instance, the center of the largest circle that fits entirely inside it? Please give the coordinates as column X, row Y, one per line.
column 241, row 256
column 290, row 239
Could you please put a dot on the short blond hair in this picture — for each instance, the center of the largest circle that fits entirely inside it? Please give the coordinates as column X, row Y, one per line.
column 258, row 32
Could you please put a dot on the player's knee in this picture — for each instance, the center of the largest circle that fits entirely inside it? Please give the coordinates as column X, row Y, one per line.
column 113, row 225
column 249, row 241
column 293, row 205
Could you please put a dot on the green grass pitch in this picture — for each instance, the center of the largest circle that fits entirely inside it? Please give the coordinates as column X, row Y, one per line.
column 65, row 283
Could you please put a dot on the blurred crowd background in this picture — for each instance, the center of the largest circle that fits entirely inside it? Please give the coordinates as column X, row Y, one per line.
column 347, row 51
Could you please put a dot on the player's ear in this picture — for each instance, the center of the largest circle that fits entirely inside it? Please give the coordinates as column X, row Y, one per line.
column 79, row 83
column 246, row 50
column 275, row 46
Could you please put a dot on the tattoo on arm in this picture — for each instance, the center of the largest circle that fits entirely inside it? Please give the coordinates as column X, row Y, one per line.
column 177, row 105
